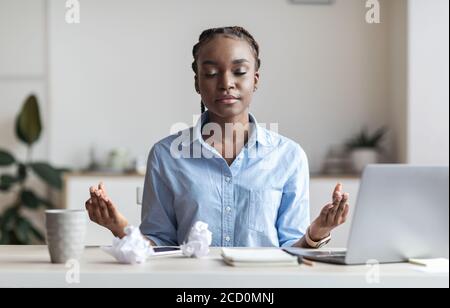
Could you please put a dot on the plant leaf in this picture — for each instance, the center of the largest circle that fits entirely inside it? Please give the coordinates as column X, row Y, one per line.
column 36, row 233
column 378, row 136
column 6, row 159
column 46, row 203
column 28, row 122
column 6, row 181
column 22, row 230
column 8, row 220
column 21, row 172
column 63, row 170
column 50, row 175
column 29, row 199
column 4, row 240
column 19, row 133
column 33, row 201
column 364, row 140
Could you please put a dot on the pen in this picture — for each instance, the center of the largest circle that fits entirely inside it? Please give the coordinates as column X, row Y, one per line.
column 302, row 260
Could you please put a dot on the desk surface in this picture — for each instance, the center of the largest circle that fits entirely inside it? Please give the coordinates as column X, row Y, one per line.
column 29, row 266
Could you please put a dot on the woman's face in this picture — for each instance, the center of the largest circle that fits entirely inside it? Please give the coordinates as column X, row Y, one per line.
column 226, row 75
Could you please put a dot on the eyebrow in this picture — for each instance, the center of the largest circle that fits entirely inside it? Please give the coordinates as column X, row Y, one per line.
column 237, row 61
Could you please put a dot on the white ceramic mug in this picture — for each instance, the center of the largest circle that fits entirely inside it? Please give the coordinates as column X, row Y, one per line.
column 66, row 232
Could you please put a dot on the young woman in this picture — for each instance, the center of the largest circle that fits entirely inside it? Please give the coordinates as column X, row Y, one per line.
column 246, row 199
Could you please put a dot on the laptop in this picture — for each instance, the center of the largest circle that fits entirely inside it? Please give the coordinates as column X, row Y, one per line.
column 402, row 212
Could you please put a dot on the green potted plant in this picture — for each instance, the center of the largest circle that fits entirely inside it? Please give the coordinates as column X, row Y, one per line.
column 365, row 148
column 15, row 228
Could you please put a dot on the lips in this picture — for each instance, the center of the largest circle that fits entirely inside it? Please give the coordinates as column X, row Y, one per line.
column 227, row 99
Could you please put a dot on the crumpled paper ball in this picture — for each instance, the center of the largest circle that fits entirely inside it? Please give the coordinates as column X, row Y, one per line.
column 199, row 240
column 132, row 248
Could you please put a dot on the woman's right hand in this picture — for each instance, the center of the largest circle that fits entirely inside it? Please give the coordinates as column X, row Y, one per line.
column 103, row 212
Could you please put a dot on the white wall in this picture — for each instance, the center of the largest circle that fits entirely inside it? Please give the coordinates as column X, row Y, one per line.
column 22, row 67
column 122, row 76
column 22, row 72
column 336, row 65
column 428, row 91
column 398, row 48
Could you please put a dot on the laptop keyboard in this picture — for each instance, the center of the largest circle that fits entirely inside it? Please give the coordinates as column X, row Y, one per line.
column 325, row 254
column 328, row 256
column 316, row 253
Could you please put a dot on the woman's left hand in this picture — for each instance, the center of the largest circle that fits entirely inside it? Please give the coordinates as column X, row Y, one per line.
column 332, row 215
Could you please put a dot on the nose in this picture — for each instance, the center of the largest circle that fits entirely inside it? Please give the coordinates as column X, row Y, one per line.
column 226, row 82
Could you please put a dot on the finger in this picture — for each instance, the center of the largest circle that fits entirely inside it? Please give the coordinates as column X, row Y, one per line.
column 337, row 194
column 332, row 215
column 344, row 199
column 87, row 203
column 337, row 199
column 112, row 210
column 330, row 219
column 326, row 209
column 106, row 200
column 96, row 207
column 346, row 211
column 325, row 213
column 102, row 187
column 92, row 191
column 95, row 211
column 337, row 189
column 103, row 208
column 101, row 197
column 90, row 211
column 339, row 214
column 97, row 194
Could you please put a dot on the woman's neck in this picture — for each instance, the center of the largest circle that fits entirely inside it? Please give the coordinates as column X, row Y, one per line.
column 234, row 122
column 232, row 137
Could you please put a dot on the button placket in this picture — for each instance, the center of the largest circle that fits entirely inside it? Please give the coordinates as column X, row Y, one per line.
column 227, row 218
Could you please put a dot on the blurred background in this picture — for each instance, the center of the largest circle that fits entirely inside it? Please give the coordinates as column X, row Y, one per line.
column 112, row 77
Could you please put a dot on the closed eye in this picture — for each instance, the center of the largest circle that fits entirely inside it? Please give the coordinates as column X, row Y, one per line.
column 211, row 75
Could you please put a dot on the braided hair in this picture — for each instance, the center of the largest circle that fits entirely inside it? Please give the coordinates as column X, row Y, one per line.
column 236, row 32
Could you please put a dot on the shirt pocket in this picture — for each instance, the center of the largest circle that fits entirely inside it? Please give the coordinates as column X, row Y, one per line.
column 263, row 209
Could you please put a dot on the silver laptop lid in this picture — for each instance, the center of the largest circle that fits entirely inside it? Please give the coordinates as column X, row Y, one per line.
column 402, row 212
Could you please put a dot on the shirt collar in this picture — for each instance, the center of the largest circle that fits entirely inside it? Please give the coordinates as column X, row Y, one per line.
column 257, row 135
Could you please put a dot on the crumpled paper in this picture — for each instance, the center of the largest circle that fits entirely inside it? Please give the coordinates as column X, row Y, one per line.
column 132, row 248
column 199, row 240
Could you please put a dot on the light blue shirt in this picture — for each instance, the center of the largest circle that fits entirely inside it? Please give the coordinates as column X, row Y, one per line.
column 261, row 200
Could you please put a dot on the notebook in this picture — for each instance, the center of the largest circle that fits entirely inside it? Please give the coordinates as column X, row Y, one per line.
column 257, row 257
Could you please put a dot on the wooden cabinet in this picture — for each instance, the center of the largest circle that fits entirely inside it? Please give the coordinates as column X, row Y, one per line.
column 121, row 189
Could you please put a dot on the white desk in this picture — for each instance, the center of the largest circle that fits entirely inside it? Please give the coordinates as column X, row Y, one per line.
column 29, row 266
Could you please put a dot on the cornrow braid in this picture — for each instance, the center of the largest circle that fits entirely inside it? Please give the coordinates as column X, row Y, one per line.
column 237, row 32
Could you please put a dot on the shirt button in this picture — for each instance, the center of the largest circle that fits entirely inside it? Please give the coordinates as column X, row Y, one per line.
column 228, row 179
column 228, row 209
column 227, row 238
